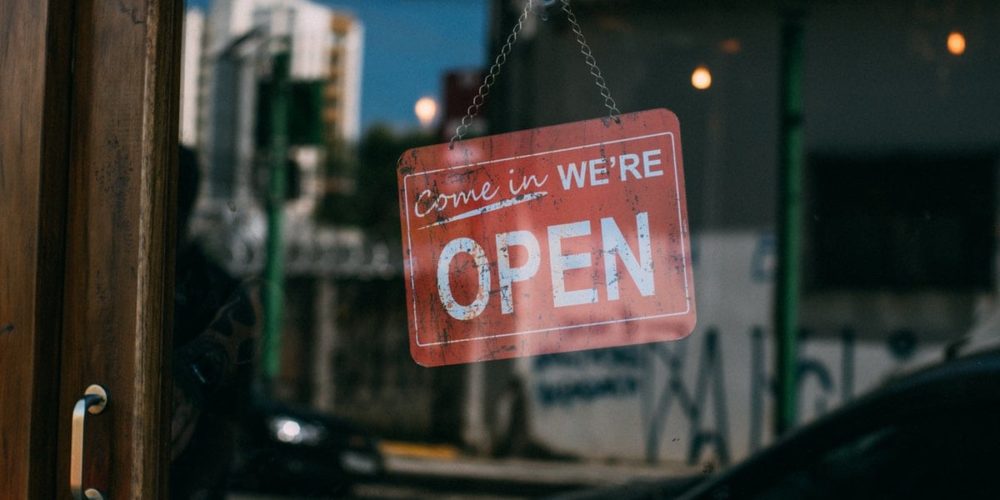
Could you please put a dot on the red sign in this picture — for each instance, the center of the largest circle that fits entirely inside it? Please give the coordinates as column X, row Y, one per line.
column 547, row 240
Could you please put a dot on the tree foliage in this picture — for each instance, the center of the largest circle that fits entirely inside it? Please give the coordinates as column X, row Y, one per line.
column 374, row 203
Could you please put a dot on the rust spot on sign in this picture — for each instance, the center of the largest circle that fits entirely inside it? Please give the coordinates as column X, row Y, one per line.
column 547, row 240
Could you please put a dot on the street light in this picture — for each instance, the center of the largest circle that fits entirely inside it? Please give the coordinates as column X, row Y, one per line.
column 426, row 110
column 956, row 43
column 701, row 78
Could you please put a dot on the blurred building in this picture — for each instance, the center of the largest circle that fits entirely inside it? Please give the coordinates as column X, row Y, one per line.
column 228, row 58
column 192, row 52
column 226, row 73
column 900, row 195
column 327, row 45
column 342, row 93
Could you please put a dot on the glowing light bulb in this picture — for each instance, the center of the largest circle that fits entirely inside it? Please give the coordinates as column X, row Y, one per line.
column 701, row 78
column 956, row 43
column 426, row 110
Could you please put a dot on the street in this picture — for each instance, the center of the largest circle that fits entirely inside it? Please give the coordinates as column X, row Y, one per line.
column 462, row 477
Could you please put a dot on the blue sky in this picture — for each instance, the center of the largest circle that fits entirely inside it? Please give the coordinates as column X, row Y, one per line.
column 408, row 46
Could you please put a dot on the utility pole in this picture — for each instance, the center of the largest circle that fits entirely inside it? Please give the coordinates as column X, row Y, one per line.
column 792, row 158
column 274, row 272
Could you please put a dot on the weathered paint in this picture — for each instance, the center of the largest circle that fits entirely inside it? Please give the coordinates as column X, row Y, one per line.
column 548, row 240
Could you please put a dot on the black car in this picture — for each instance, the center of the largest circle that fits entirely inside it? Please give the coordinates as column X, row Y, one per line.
column 932, row 434
column 292, row 450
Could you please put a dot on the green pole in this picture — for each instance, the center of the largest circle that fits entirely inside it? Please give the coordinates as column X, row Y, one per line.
column 786, row 308
column 274, row 278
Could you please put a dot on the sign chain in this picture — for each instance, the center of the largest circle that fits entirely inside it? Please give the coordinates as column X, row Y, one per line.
column 490, row 79
column 588, row 57
column 484, row 89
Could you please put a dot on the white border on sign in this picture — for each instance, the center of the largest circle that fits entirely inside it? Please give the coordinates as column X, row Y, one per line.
column 677, row 190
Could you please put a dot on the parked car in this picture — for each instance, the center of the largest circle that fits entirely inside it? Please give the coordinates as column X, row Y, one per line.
column 291, row 450
column 932, row 434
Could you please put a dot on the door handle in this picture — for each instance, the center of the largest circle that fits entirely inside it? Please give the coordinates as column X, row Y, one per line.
column 94, row 399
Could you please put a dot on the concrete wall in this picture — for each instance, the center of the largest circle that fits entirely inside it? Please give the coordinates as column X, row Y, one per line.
column 708, row 397
column 878, row 80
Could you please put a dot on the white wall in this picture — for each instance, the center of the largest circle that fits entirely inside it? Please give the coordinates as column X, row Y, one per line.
column 651, row 401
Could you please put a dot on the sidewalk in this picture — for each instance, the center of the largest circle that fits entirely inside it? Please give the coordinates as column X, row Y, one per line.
column 448, row 463
column 442, row 472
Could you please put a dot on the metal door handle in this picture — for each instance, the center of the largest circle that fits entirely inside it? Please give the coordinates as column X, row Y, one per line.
column 94, row 399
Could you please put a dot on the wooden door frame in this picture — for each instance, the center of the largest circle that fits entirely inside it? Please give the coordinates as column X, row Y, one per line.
column 35, row 45
column 88, row 153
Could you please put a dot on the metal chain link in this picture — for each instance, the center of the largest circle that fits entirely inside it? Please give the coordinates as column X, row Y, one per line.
column 484, row 89
column 588, row 57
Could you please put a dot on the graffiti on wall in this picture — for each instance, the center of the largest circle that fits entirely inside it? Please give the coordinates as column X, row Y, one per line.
column 659, row 377
column 710, row 394
column 620, row 368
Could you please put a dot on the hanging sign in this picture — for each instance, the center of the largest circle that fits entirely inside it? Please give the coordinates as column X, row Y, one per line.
column 548, row 240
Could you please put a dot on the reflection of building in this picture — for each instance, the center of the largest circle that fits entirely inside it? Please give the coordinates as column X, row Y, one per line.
column 881, row 92
column 191, row 76
column 341, row 113
column 900, row 197
column 327, row 45
column 232, row 137
column 237, row 42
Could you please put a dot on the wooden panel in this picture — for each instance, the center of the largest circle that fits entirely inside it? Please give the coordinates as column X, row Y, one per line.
column 119, row 239
column 34, row 102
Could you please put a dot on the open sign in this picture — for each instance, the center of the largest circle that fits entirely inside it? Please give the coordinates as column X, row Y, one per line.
column 547, row 240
